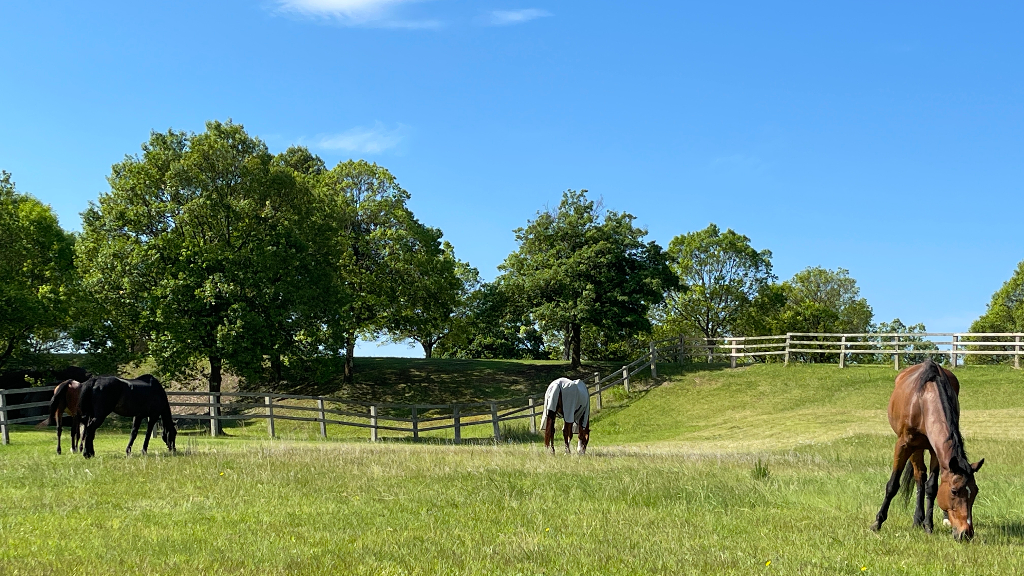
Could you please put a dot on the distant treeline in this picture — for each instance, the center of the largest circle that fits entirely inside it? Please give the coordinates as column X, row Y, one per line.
column 209, row 251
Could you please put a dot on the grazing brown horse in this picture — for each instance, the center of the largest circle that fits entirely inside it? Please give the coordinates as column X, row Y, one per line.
column 66, row 396
column 924, row 412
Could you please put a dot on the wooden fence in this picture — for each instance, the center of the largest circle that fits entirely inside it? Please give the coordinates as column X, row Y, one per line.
column 415, row 419
column 409, row 419
column 847, row 348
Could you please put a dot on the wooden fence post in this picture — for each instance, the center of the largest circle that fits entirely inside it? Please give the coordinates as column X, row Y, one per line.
column 842, row 352
column 732, row 353
column 533, row 417
column 457, row 421
column 597, row 381
column 682, row 349
column 323, row 418
column 786, row 363
column 625, row 378
column 373, row 423
column 896, row 352
column 654, row 361
column 214, row 413
column 270, row 414
column 1016, row 353
column 415, row 424
column 494, row 422
column 3, row 419
column 952, row 352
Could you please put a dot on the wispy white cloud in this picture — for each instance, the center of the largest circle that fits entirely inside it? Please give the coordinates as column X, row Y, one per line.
column 509, row 17
column 362, row 140
column 379, row 13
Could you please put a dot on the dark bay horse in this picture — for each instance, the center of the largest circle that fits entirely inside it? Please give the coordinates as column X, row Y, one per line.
column 924, row 412
column 569, row 399
column 140, row 398
column 66, row 397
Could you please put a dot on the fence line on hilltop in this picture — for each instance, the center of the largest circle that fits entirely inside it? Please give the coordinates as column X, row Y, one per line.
column 375, row 417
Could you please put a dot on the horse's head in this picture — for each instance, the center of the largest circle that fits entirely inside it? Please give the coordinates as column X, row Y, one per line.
column 169, row 434
column 584, row 439
column 956, row 496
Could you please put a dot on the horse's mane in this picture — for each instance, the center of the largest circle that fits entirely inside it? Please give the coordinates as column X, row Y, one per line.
column 950, row 407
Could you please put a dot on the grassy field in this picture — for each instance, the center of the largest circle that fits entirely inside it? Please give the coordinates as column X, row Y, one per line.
column 757, row 470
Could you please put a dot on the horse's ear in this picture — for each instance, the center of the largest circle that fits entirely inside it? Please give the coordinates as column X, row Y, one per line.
column 977, row 465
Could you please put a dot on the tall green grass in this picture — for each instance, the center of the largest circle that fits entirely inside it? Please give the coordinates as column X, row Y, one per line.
column 758, row 470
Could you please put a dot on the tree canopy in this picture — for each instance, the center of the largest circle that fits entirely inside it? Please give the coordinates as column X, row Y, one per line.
column 719, row 275
column 576, row 269
column 37, row 275
column 213, row 245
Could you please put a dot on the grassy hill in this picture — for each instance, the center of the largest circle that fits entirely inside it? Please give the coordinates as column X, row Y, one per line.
column 755, row 470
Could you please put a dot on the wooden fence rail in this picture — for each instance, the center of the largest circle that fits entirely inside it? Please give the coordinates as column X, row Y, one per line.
column 376, row 417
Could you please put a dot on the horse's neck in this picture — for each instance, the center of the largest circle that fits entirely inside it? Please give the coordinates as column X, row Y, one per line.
column 939, row 437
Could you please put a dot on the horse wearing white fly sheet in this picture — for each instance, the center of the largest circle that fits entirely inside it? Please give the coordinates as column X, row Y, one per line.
column 569, row 399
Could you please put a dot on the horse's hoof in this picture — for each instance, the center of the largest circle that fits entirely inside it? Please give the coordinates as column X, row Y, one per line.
column 945, row 522
column 876, row 527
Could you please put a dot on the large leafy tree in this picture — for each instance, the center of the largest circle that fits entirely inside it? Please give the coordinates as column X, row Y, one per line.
column 496, row 324
column 37, row 274
column 434, row 288
column 214, row 246
column 813, row 300
column 382, row 238
column 720, row 274
column 576, row 269
column 1005, row 313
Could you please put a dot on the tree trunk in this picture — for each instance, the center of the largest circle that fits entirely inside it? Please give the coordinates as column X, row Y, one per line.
column 428, row 348
column 350, row 352
column 575, row 338
column 276, row 367
column 215, row 381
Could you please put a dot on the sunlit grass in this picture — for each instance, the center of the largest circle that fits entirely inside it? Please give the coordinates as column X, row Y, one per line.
column 715, row 472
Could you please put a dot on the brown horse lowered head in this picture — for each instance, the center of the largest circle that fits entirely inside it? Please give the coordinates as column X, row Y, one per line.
column 924, row 411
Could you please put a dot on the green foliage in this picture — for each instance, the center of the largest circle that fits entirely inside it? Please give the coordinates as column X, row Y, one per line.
column 434, row 289
column 206, row 247
column 385, row 247
column 575, row 270
column 496, row 325
column 907, row 341
column 814, row 300
column 37, row 276
column 1005, row 313
column 720, row 274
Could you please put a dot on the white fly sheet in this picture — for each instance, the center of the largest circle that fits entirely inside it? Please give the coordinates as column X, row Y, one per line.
column 575, row 402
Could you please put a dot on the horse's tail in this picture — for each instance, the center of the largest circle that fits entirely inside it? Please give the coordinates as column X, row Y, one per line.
column 907, row 483
column 57, row 403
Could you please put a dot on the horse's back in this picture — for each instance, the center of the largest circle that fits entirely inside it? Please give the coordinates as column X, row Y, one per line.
column 912, row 399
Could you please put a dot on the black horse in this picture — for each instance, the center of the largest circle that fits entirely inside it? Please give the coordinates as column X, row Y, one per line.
column 140, row 398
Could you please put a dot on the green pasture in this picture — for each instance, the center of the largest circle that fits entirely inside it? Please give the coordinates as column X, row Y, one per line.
column 767, row 469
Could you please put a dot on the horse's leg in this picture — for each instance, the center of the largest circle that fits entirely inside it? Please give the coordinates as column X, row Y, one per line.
column 136, row 422
column 567, row 436
column 90, row 433
column 899, row 461
column 917, row 461
column 149, row 432
column 60, row 428
column 75, row 433
column 549, row 431
column 931, row 488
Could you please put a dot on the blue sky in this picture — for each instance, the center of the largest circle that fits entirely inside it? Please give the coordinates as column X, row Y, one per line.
column 885, row 138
